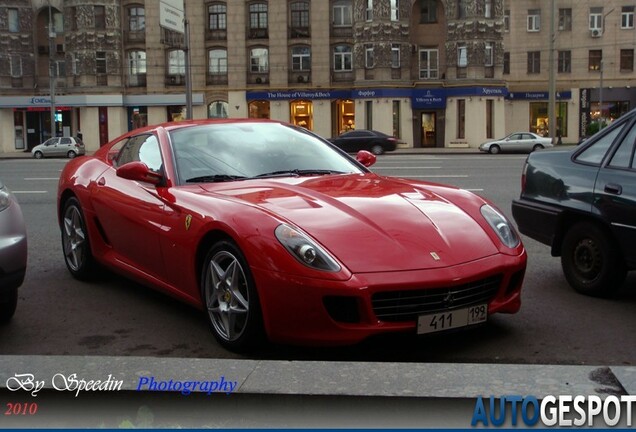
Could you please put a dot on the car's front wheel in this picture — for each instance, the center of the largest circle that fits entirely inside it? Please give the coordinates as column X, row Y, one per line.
column 71, row 154
column 230, row 297
column 38, row 155
column 377, row 149
column 75, row 242
column 591, row 262
column 8, row 304
column 494, row 149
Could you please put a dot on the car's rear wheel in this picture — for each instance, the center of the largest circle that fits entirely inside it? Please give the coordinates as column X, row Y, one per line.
column 71, row 154
column 494, row 149
column 8, row 304
column 75, row 242
column 537, row 147
column 377, row 149
column 38, row 155
column 591, row 262
column 230, row 297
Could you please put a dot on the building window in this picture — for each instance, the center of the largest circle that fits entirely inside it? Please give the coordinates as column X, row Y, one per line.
column 301, row 58
column 462, row 55
column 217, row 61
column 506, row 63
column 72, row 19
column 429, row 63
column 564, row 62
column 368, row 114
column 428, row 11
column 461, row 9
column 14, row 21
column 342, row 14
column 534, row 20
column 136, row 62
column 300, row 15
column 369, row 11
column 369, row 58
column 217, row 17
column 259, row 60
column 58, row 22
column 176, row 62
column 258, row 16
column 218, row 109
column 395, row 56
column 489, row 55
column 100, row 17
column 15, row 66
column 342, row 58
column 506, row 20
column 627, row 60
column 136, row 19
column 100, row 62
column 461, row 118
column 397, row 118
column 596, row 18
column 488, row 8
column 75, row 69
column 395, row 10
column 627, row 17
column 565, row 19
column 490, row 118
column 595, row 60
column 534, row 62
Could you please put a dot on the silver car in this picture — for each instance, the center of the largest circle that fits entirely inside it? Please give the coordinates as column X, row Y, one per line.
column 59, row 146
column 13, row 252
column 517, row 142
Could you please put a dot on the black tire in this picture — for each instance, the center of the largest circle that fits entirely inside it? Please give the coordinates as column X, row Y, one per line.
column 8, row 304
column 76, row 245
column 494, row 149
column 230, row 298
column 377, row 149
column 591, row 262
column 38, row 155
column 537, row 147
column 71, row 154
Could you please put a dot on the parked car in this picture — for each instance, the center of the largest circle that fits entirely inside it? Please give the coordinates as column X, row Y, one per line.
column 517, row 142
column 274, row 232
column 59, row 146
column 361, row 139
column 13, row 252
column 582, row 203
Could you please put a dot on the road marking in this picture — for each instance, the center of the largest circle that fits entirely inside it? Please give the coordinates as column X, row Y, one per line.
column 29, row 192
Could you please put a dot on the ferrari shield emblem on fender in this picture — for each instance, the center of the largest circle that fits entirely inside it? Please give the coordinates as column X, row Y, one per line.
column 435, row 256
column 188, row 221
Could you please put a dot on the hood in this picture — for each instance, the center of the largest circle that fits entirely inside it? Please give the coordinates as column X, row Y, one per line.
column 370, row 223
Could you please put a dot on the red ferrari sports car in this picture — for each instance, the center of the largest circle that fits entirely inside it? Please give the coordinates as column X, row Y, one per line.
column 277, row 234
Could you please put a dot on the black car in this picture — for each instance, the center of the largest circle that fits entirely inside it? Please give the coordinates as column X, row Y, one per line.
column 361, row 139
column 582, row 203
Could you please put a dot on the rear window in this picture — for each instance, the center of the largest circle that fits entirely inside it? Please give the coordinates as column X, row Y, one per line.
column 595, row 153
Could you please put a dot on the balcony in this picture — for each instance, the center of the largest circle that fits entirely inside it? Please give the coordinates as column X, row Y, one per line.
column 257, row 33
column 341, row 32
column 342, row 76
column 299, row 32
column 134, row 36
column 216, row 34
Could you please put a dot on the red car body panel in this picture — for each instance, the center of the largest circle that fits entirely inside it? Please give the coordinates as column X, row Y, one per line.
column 385, row 232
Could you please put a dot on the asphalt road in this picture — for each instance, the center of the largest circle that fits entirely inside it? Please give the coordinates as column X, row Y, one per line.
column 58, row 315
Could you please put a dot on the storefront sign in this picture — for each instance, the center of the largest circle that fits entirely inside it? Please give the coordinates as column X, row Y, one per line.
column 429, row 99
column 564, row 95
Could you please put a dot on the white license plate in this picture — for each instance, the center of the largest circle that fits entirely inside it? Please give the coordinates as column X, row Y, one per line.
column 452, row 319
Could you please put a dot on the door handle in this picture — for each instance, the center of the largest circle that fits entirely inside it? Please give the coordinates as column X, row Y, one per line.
column 613, row 188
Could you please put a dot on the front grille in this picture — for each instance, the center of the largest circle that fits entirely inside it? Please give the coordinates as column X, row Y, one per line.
column 407, row 305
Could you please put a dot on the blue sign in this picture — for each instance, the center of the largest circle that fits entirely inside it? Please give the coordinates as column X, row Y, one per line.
column 563, row 95
column 428, row 99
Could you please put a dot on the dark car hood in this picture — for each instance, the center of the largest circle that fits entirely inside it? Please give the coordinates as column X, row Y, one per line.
column 370, row 223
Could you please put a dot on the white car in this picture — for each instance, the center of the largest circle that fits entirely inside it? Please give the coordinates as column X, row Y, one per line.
column 517, row 142
column 59, row 146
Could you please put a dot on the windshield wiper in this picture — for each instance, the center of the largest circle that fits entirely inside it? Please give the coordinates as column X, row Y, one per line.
column 298, row 172
column 215, row 178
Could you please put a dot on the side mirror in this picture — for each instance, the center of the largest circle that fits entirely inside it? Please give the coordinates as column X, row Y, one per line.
column 139, row 171
column 366, row 158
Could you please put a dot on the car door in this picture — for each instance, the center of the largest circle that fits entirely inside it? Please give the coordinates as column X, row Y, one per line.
column 527, row 142
column 50, row 147
column 512, row 143
column 65, row 145
column 131, row 213
column 615, row 193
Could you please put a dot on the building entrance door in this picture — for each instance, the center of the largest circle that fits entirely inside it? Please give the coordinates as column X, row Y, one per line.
column 429, row 135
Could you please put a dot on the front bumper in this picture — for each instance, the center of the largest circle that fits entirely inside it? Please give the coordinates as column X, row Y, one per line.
column 13, row 248
column 324, row 312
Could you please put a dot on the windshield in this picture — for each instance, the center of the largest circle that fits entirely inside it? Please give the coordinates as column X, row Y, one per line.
column 242, row 150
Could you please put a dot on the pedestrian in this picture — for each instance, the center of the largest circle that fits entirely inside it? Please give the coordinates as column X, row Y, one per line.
column 79, row 135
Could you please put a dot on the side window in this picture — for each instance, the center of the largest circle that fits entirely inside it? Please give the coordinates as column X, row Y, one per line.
column 625, row 152
column 594, row 153
column 143, row 148
column 114, row 151
column 65, row 141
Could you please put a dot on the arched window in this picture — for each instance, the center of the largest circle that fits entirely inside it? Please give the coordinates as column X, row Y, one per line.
column 136, row 18
column 342, row 13
column 301, row 58
column 217, row 61
column 136, row 62
column 259, row 60
column 218, row 109
column 176, row 62
column 217, row 16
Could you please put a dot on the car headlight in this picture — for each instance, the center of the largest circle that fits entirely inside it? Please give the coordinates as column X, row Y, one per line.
column 304, row 249
column 4, row 198
column 501, row 226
